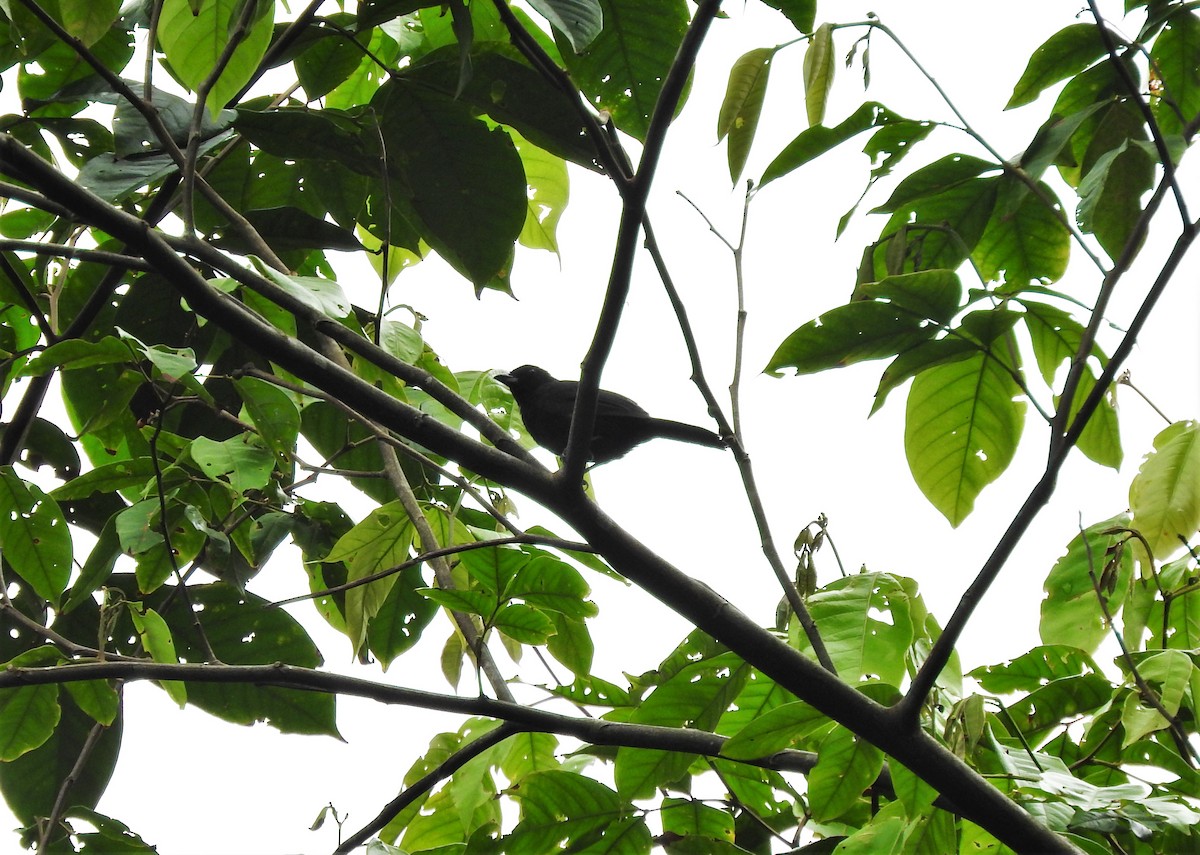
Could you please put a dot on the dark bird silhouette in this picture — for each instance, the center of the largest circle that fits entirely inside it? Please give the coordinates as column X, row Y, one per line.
column 547, row 404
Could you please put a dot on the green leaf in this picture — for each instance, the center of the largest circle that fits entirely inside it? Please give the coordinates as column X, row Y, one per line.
column 928, row 295
column 471, row 602
column 846, row 766
column 925, row 355
column 508, row 90
column 961, row 430
column 29, row 714
column 381, row 541
column 401, row 617
column 239, row 460
column 944, row 174
column 742, row 106
column 580, row 21
column 33, row 782
column 692, row 819
column 1100, row 440
column 1029, row 244
column 623, row 70
column 1063, row 55
column 97, row 698
column 324, row 295
column 847, row 334
column 1165, row 494
column 866, row 622
column 88, row 20
column 552, row 585
column 462, row 180
column 1170, row 673
column 549, row 189
column 571, row 644
column 524, row 624
column 244, row 630
column 115, row 179
column 34, row 536
column 330, row 60
column 559, row 808
column 819, row 65
column 76, row 353
column 1110, row 196
column 815, row 141
column 110, row 478
column 1063, row 699
column 194, row 41
column 776, row 730
column 157, row 641
column 273, row 411
column 802, row 13
column 1039, row 666
column 1173, row 58
column 1071, row 613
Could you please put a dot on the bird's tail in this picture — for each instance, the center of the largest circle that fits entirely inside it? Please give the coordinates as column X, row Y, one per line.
column 686, row 433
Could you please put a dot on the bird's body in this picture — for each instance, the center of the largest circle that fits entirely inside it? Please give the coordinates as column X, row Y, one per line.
column 547, row 405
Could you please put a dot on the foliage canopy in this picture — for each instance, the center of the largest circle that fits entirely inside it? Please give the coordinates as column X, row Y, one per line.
column 169, row 254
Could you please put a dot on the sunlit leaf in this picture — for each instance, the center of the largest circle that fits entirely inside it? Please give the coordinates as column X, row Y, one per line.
column 961, row 430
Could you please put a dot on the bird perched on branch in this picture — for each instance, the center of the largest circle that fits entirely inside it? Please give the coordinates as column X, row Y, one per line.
column 547, row 405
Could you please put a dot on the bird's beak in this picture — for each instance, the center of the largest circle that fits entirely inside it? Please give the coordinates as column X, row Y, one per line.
column 506, row 379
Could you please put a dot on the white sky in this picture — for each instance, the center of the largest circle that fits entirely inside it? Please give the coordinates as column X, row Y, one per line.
column 193, row 784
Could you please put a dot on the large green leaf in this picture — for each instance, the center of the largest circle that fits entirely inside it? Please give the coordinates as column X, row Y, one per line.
column 943, row 174
column 1165, row 494
column 1071, row 612
column 623, row 70
column 1063, row 55
column 815, row 141
column 961, row 430
column 1111, row 193
column 943, row 229
column 580, row 21
column 740, row 111
column 88, row 20
column 378, row 543
column 34, row 536
column 1036, row 668
column 1176, row 58
column 867, row 624
column 773, row 731
column 462, row 179
column 28, row 714
column 559, row 808
column 1029, row 244
column 819, row 66
column 32, row 783
column 848, row 334
column 194, row 41
column 507, row 89
column 243, row 630
column 846, row 766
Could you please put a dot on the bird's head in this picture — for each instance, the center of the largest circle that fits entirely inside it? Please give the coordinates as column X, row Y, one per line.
column 527, row 378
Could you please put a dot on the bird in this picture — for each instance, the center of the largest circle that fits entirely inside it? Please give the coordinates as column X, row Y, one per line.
column 547, row 405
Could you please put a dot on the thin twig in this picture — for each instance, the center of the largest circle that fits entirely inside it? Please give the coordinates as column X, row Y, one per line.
column 633, row 211
column 745, row 468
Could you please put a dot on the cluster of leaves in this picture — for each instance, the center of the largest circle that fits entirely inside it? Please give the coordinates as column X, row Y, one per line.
column 136, row 535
